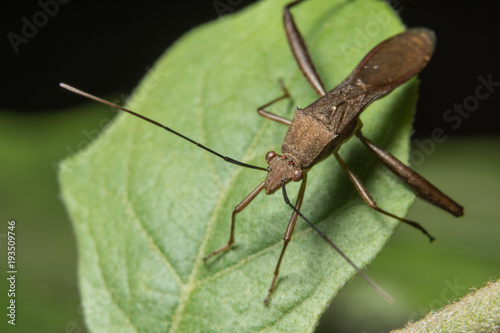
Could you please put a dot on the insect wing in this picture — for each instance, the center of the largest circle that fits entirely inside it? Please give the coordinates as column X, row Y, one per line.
column 390, row 64
column 394, row 61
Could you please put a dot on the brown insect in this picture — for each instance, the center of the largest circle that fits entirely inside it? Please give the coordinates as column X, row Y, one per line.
column 318, row 130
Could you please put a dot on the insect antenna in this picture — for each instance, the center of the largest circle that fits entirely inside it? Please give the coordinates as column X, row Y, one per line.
column 119, row 107
column 336, row 248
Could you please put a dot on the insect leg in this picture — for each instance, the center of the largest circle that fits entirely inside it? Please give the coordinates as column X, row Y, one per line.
column 301, row 54
column 237, row 210
column 299, row 50
column 369, row 200
column 424, row 189
column 288, row 235
column 272, row 116
column 336, row 248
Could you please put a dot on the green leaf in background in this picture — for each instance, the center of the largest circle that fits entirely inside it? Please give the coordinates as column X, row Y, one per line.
column 147, row 206
column 479, row 311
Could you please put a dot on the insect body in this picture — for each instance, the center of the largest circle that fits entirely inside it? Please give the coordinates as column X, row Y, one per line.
column 318, row 130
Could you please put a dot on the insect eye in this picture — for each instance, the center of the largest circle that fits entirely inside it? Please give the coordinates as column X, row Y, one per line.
column 270, row 156
column 297, row 175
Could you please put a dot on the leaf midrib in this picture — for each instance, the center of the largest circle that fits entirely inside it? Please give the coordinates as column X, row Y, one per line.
column 192, row 282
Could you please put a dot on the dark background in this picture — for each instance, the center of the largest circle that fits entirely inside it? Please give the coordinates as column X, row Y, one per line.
column 109, row 46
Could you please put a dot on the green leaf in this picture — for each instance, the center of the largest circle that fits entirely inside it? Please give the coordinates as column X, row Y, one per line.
column 147, row 206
